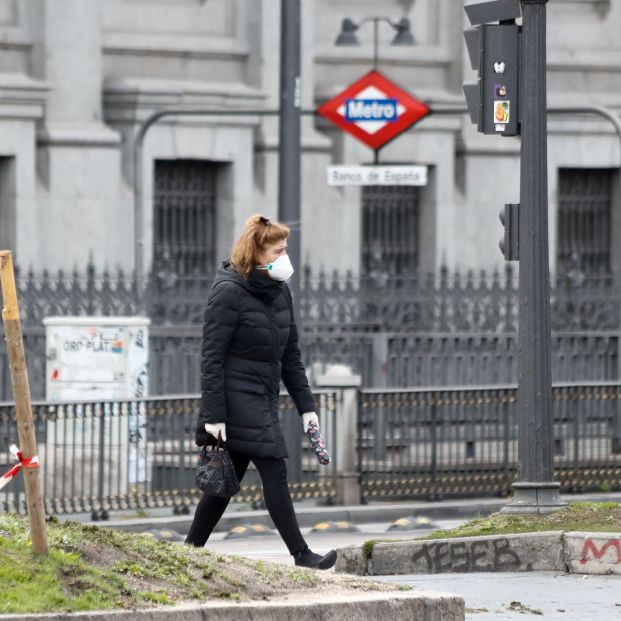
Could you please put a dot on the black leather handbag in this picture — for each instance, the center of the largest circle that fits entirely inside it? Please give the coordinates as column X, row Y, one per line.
column 215, row 472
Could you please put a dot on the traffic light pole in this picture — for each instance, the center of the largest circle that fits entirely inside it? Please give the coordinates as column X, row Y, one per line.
column 535, row 491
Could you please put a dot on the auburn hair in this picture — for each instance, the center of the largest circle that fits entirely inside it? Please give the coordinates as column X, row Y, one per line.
column 258, row 233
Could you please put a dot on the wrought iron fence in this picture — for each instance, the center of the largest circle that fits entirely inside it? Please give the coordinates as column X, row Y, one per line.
column 422, row 330
column 459, row 441
column 141, row 454
column 422, row 302
column 424, row 443
column 458, row 302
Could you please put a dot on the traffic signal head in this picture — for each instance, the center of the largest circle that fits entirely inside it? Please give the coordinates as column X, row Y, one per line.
column 493, row 50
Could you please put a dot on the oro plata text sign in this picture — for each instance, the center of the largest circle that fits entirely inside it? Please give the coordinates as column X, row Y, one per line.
column 377, row 175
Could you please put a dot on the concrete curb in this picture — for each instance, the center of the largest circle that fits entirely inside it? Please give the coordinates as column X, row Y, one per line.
column 578, row 553
column 426, row 605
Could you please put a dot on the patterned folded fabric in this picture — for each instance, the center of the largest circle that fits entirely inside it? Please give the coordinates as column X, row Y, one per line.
column 318, row 444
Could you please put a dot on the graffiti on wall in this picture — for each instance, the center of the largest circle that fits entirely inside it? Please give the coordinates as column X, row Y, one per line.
column 461, row 556
column 608, row 552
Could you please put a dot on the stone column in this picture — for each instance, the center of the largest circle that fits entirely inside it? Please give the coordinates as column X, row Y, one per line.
column 341, row 378
column 67, row 52
column 78, row 157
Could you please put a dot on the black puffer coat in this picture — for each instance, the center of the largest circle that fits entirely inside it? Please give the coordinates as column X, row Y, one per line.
column 250, row 342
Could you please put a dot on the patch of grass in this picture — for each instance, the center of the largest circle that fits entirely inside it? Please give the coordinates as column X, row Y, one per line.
column 59, row 581
column 94, row 568
column 578, row 516
column 272, row 573
column 367, row 546
column 161, row 597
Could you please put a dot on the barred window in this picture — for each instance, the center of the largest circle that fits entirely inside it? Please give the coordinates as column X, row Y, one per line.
column 390, row 229
column 584, row 220
column 185, row 216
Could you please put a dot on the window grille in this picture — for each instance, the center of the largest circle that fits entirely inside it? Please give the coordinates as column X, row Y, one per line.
column 390, row 229
column 584, row 220
column 185, row 216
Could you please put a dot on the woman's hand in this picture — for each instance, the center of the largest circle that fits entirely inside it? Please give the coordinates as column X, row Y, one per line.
column 309, row 418
column 216, row 429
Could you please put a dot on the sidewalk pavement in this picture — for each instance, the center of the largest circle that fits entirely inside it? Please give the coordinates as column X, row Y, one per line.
column 309, row 513
column 522, row 596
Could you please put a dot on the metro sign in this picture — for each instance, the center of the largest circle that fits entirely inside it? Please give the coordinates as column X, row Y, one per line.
column 374, row 110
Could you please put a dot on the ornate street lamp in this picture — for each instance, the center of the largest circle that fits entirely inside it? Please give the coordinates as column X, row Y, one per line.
column 403, row 36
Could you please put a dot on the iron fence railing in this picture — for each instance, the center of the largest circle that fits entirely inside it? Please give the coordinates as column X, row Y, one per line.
column 421, row 302
column 424, row 443
column 459, row 441
column 445, row 302
column 140, row 454
column 427, row 329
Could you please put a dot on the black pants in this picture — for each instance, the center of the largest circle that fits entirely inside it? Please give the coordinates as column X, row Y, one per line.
column 273, row 474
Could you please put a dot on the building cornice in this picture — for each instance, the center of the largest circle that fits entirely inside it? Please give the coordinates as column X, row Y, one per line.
column 22, row 97
column 187, row 46
column 82, row 135
column 133, row 100
column 424, row 56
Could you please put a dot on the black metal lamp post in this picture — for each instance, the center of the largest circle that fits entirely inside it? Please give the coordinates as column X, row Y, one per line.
column 535, row 491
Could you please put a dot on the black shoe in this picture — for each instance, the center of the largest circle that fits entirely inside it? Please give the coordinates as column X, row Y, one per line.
column 306, row 558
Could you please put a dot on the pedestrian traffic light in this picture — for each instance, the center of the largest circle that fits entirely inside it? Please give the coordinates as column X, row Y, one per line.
column 510, row 243
column 494, row 51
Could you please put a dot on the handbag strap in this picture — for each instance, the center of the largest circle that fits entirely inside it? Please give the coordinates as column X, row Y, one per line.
column 219, row 444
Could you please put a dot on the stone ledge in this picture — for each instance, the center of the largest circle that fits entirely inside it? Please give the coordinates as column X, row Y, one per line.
column 427, row 605
column 574, row 552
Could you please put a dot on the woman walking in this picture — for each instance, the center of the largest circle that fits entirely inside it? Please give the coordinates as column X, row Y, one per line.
column 250, row 343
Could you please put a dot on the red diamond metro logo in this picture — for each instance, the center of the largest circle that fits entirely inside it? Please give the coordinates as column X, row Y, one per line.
column 374, row 110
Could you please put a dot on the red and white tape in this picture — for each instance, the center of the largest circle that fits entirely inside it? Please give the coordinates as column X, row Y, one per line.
column 22, row 462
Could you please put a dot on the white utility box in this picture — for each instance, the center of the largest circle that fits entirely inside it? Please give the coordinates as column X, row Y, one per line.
column 93, row 362
column 96, row 358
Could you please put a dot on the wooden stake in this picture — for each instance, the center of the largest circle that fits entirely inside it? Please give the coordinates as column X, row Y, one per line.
column 23, row 407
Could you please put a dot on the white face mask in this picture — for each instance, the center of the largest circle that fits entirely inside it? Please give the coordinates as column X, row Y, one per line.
column 281, row 269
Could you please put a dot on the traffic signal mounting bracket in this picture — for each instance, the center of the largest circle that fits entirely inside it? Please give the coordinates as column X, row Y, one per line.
column 510, row 243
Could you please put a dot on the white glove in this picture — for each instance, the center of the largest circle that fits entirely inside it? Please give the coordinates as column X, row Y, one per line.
column 216, row 429
column 307, row 419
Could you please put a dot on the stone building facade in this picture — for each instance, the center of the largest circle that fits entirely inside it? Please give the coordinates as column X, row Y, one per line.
column 77, row 77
